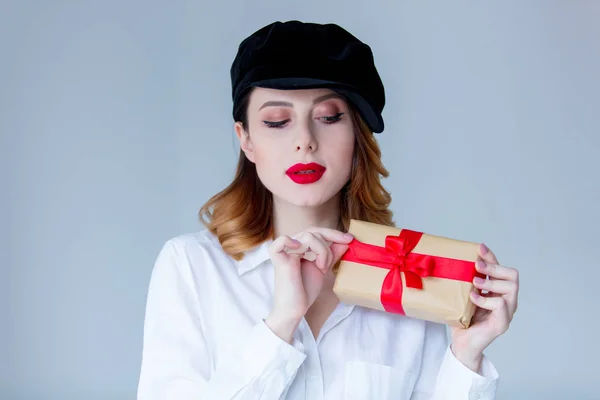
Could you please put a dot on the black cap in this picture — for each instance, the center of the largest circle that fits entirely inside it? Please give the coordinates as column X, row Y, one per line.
column 303, row 55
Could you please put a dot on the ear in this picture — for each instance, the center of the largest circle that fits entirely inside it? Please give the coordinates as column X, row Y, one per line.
column 245, row 142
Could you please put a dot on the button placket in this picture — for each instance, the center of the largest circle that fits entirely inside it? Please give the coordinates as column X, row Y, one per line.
column 313, row 371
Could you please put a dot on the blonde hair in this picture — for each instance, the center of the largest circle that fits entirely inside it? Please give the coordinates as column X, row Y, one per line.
column 241, row 215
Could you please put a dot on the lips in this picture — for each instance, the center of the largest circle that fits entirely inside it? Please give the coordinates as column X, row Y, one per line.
column 305, row 173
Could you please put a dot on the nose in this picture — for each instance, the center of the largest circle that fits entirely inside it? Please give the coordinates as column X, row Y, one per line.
column 305, row 140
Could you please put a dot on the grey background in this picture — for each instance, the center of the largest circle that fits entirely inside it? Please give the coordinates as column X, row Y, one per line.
column 116, row 126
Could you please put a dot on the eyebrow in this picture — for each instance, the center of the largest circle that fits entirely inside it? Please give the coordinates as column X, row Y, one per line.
column 288, row 104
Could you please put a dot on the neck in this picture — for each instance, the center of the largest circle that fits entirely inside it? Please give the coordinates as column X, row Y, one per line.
column 290, row 219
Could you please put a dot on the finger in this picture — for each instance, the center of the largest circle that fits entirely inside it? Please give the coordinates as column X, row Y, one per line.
column 487, row 255
column 508, row 289
column 338, row 251
column 306, row 252
column 497, row 271
column 496, row 286
column 318, row 246
column 326, row 244
column 488, row 303
column 281, row 243
column 333, row 235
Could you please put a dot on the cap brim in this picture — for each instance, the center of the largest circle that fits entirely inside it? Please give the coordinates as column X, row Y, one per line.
column 372, row 118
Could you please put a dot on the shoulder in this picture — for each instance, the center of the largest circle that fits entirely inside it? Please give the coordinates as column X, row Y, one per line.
column 193, row 253
column 200, row 240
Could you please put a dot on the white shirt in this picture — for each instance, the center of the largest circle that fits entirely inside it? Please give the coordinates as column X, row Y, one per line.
column 205, row 338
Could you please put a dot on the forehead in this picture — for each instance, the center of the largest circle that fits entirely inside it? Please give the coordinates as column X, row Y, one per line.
column 301, row 96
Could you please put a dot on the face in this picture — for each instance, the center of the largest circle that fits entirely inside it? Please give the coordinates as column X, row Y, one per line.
column 301, row 141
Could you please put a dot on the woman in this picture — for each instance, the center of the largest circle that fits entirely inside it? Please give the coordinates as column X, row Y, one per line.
column 245, row 308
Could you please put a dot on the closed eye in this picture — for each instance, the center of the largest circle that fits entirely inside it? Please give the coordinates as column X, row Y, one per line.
column 276, row 124
column 328, row 120
column 333, row 119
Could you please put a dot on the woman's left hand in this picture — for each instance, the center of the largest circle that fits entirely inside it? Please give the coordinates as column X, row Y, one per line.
column 495, row 309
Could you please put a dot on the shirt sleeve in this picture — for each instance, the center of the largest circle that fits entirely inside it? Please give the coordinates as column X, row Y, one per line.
column 444, row 377
column 177, row 362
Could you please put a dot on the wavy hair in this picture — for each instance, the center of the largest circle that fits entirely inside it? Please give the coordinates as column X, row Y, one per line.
column 241, row 215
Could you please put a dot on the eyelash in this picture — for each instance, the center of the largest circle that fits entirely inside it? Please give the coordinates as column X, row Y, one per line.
column 330, row 120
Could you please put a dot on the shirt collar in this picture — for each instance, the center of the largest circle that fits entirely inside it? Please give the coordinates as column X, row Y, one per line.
column 254, row 257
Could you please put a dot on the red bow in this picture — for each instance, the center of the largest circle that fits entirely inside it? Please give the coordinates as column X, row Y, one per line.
column 397, row 256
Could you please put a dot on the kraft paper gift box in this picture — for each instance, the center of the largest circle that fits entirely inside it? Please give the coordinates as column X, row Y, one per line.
column 409, row 273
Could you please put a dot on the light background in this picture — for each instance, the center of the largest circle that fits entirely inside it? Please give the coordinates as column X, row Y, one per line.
column 115, row 122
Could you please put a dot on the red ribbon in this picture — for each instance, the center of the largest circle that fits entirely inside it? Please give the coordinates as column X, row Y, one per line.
column 397, row 256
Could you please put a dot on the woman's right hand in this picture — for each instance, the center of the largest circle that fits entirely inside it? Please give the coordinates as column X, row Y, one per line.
column 299, row 280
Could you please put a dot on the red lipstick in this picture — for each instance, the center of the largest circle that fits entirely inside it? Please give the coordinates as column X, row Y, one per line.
column 305, row 173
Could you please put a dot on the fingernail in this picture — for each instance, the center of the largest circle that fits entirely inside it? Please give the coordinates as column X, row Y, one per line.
column 475, row 295
column 348, row 236
column 480, row 264
column 479, row 280
column 484, row 248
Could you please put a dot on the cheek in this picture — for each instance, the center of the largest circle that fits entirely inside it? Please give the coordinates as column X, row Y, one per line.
column 340, row 153
column 345, row 149
column 265, row 158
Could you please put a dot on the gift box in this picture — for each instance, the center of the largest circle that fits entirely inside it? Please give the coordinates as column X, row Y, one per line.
column 408, row 272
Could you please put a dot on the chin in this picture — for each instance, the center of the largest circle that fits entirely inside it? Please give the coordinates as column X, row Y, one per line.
column 307, row 203
column 308, row 196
